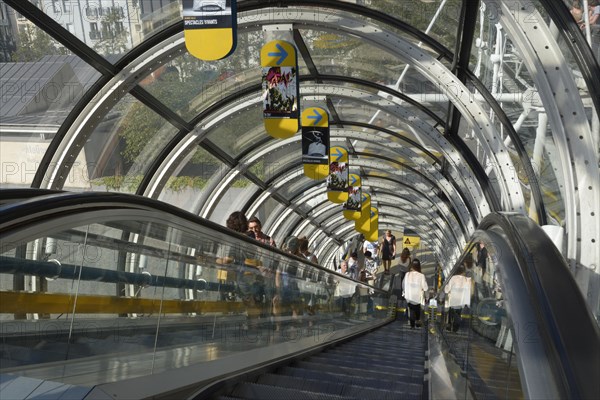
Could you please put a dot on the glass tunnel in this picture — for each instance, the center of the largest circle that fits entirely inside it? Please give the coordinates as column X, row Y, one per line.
column 469, row 123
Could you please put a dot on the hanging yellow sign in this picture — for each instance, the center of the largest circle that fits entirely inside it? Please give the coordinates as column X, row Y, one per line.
column 410, row 241
column 353, row 207
column 209, row 28
column 337, row 180
column 373, row 235
column 281, row 93
column 363, row 224
column 315, row 143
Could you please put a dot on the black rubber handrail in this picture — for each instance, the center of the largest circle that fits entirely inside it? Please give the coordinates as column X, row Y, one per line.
column 39, row 209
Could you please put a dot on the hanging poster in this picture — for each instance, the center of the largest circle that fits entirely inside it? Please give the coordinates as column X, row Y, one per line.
column 337, row 181
column 281, row 93
column 315, row 143
column 353, row 207
column 209, row 28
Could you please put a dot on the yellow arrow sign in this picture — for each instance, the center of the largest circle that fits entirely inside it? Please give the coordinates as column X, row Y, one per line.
column 315, row 143
column 337, row 181
column 355, row 197
column 373, row 234
column 363, row 224
column 281, row 93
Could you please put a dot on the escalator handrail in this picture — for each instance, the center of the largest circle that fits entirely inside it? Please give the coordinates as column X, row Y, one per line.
column 40, row 208
column 569, row 330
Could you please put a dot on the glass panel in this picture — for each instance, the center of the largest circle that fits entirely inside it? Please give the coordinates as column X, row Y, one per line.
column 271, row 218
column 189, row 187
column 481, row 336
column 40, row 84
column 123, row 146
column 234, row 199
column 239, row 131
column 414, row 86
column 353, row 110
column 422, row 15
column 111, row 28
column 265, row 213
column 277, row 161
column 189, row 85
column 132, row 294
column 297, row 185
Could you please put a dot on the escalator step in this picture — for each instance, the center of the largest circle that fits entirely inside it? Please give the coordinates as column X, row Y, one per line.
column 362, row 366
column 376, row 383
column 292, row 382
column 402, row 359
column 255, row 391
column 314, row 385
column 406, row 375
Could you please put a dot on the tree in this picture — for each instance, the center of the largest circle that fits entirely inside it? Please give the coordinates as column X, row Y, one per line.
column 113, row 33
column 34, row 44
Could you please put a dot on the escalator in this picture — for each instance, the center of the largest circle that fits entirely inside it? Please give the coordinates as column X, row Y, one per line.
column 109, row 295
column 389, row 363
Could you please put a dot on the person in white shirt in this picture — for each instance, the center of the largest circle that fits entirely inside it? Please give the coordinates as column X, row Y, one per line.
column 458, row 292
column 414, row 286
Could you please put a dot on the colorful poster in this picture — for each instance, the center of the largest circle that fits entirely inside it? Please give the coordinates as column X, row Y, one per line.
column 337, row 181
column 209, row 28
column 281, row 93
column 353, row 206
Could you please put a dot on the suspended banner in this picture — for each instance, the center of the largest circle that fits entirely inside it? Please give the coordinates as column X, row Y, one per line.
column 373, row 235
column 363, row 224
column 281, row 93
column 210, row 28
column 353, row 207
column 315, row 143
column 337, row 181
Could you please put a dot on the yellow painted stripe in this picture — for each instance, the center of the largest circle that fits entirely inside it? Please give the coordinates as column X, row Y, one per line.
column 54, row 303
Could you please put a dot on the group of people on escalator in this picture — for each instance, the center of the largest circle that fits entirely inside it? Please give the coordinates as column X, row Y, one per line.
column 266, row 287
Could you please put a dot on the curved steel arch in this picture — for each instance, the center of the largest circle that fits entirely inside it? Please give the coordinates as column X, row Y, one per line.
column 184, row 130
column 458, row 94
column 361, row 163
column 298, row 198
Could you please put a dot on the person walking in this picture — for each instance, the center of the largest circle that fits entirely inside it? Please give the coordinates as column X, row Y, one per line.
column 415, row 287
column 388, row 251
column 458, row 295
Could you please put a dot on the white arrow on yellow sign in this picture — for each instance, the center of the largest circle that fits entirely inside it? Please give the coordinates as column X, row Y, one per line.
column 315, row 143
column 281, row 92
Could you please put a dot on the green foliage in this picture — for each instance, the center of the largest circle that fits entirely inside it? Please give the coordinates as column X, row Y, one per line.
column 179, row 183
column 128, row 184
column 35, row 44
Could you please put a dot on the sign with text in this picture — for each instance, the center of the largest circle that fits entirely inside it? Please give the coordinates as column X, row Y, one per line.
column 281, row 93
column 337, row 181
column 209, row 28
column 315, row 143
column 353, row 206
